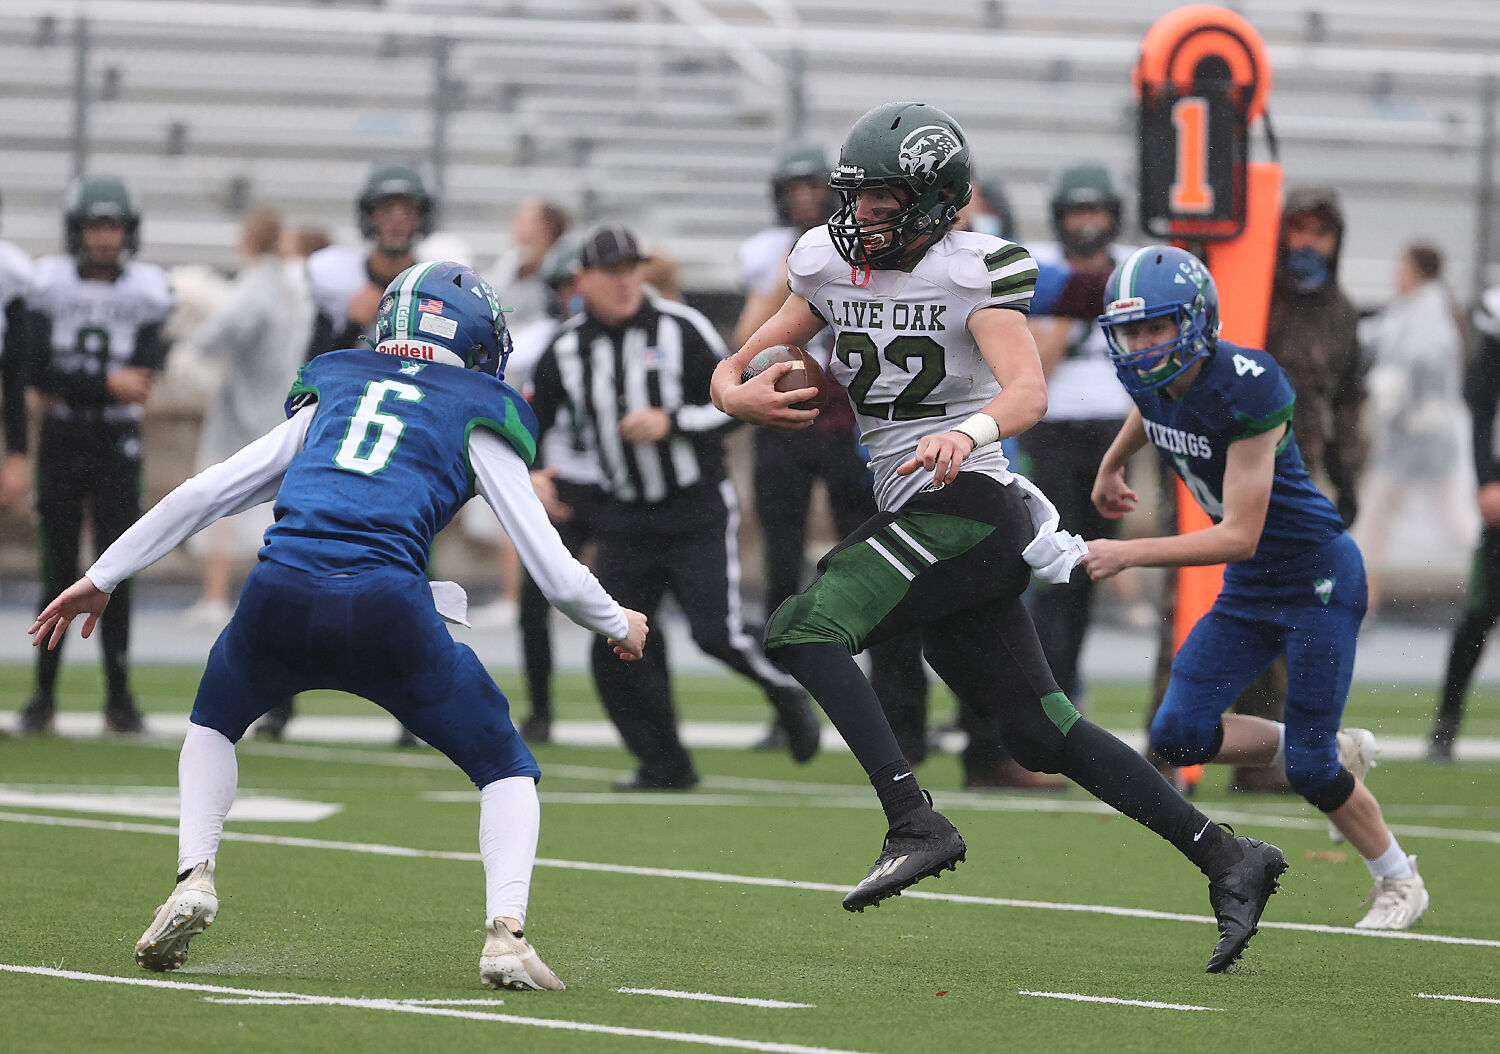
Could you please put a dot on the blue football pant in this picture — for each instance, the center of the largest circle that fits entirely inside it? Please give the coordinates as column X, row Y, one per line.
column 1238, row 639
column 374, row 634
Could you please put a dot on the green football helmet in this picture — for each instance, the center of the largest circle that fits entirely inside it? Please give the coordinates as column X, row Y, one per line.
column 394, row 181
column 799, row 162
column 1086, row 185
column 99, row 198
column 920, row 154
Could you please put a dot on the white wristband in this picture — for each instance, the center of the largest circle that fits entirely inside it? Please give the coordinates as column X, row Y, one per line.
column 980, row 427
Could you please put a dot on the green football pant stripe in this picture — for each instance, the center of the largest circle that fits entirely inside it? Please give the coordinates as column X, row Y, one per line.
column 864, row 582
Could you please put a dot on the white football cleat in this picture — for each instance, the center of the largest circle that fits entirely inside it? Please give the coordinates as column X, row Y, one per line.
column 508, row 961
column 188, row 912
column 1357, row 752
column 1399, row 902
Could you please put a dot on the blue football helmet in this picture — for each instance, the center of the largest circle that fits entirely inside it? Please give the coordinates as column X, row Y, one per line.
column 1153, row 282
column 444, row 312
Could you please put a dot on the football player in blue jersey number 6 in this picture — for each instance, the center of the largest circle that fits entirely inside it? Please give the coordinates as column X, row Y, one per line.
column 381, row 448
column 1220, row 416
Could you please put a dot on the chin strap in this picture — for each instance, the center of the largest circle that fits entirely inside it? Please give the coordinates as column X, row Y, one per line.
column 856, row 270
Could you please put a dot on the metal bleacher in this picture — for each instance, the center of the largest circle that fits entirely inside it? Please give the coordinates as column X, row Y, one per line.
column 668, row 113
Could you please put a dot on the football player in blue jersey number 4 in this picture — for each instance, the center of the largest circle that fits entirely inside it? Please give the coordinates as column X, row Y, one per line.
column 1220, row 416
column 381, row 448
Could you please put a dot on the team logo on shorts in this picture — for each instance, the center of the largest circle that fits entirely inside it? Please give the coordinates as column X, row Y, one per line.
column 927, row 149
column 1323, row 589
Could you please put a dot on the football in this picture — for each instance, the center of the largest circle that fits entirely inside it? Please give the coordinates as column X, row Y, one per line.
column 805, row 374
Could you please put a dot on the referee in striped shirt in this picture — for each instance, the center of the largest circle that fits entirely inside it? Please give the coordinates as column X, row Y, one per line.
column 633, row 372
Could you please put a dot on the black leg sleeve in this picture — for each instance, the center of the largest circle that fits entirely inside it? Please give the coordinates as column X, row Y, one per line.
column 834, row 679
column 1122, row 779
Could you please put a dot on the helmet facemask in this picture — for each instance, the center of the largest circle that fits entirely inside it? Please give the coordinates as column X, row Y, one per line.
column 1147, row 369
column 892, row 242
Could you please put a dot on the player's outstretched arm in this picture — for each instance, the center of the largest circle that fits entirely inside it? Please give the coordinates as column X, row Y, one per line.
column 80, row 598
column 1248, row 474
column 757, row 401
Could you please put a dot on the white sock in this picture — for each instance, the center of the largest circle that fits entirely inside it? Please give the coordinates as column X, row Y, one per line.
column 1278, row 759
column 1392, row 863
column 207, row 775
column 510, row 818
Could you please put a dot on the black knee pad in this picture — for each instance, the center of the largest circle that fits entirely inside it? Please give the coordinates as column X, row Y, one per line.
column 1335, row 794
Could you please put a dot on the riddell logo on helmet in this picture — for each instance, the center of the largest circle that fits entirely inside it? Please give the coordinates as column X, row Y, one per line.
column 411, row 349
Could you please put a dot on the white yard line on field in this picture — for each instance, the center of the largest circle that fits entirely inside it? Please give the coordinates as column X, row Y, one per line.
column 254, row 997
column 1458, row 998
column 704, row 997
column 721, row 878
column 1147, row 1003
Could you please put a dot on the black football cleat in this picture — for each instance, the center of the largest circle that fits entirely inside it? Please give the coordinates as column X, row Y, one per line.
column 37, row 717
column 121, row 716
column 921, row 844
column 1238, row 897
column 795, row 717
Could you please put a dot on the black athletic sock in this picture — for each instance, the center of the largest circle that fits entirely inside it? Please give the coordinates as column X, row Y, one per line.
column 897, row 787
column 835, row 680
column 1121, row 778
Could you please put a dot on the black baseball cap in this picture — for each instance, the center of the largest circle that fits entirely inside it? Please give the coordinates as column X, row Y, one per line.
column 607, row 245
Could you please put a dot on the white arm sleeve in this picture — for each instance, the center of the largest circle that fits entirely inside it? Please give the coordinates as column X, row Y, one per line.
column 248, row 478
column 502, row 479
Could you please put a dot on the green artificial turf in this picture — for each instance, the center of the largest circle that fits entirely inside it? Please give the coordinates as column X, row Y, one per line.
column 325, row 910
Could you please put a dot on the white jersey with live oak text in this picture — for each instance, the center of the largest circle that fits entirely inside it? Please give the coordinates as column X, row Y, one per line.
column 902, row 345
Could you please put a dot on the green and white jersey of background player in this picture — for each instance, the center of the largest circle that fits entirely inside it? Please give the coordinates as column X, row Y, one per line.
column 902, row 345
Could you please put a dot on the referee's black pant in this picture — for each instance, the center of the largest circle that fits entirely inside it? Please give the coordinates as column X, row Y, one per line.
column 534, row 620
column 687, row 546
column 98, row 464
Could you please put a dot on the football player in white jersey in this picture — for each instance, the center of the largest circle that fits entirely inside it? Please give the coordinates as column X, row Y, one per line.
column 94, row 347
column 932, row 345
column 394, row 210
column 15, row 276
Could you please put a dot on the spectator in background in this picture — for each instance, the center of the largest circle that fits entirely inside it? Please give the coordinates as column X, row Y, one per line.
column 517, row 279
column 988, row 212
column 789, row 464
column 15, row 276
column 516, row 274
column 257, row 332
column 1311, row 335
column 1416, row 353
column 1483, row 392
column 633, row 370
column 94, row 348
column 1085, row 403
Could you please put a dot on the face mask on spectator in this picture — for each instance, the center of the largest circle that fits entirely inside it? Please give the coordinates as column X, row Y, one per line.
column 1308, row 269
